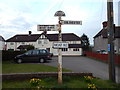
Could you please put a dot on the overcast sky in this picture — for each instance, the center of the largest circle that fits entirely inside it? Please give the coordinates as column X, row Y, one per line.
column 21, row 16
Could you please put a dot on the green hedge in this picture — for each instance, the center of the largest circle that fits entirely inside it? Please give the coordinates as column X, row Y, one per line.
column 9, row 55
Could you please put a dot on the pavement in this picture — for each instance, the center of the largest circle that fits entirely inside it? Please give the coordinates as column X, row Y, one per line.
column 86, row 65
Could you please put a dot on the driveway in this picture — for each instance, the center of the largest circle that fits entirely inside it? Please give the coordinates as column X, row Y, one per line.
column 84, row 64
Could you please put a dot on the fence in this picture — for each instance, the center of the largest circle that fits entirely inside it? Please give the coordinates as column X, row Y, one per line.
column 103, row 57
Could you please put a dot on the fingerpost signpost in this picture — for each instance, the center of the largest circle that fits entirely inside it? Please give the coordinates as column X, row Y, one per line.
column 59, row 45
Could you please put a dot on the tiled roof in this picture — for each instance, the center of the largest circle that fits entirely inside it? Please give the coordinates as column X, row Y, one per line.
column 65, row 37
column 22, row 47
column 51, row 37
column 103, row 32
column 24, row 38
column 75, row 46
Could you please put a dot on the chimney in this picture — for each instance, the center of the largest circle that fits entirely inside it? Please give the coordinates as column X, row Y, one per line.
column 44, row 32
column 30, row 33
column 104, row 24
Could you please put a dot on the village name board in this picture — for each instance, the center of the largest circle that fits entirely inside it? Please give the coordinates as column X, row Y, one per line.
column 60, row 45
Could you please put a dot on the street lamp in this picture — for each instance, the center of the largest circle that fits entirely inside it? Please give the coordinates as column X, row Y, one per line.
column 59, row 14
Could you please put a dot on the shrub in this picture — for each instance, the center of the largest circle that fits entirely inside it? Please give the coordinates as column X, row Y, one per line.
column 9, row 55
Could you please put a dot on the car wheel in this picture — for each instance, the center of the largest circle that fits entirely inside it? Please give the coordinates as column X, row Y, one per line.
column 41, row 60
column 19, row 61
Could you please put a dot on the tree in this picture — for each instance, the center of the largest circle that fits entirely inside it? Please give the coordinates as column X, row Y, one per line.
column 85, row 42
column 30, row 47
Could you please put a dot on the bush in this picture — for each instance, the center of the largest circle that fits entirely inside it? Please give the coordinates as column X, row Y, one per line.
column 9, row 55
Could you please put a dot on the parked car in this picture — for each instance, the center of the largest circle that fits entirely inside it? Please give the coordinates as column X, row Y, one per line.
column 101, row 51
column 40, row 55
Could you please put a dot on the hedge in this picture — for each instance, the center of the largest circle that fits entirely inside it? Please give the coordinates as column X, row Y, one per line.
column 9, row 55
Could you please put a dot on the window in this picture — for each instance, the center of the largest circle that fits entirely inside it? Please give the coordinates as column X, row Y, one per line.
column 42, row 36
column 29, row 52
column 76, row 49
column 23, row 42
column 39, row 42
column 43, row 51
column 74, row 42
column 45, row 41
column 35, row 52
column 64, row 49
column 11, row 43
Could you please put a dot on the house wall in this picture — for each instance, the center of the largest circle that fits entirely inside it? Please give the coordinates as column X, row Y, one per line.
column 2, row 45
column 45, row 44
column 14, row 45
column 100, row 43
column 117, row 45
column 69, row 52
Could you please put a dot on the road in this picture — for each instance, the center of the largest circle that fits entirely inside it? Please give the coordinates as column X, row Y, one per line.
column 84, row 64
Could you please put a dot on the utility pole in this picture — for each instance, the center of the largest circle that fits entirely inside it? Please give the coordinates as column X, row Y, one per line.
column 110, row 29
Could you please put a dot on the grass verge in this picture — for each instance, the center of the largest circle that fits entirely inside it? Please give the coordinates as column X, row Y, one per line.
column 9, row 67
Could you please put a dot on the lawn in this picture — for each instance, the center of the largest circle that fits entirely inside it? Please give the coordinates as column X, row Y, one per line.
column 68, row 82
column 10, row 67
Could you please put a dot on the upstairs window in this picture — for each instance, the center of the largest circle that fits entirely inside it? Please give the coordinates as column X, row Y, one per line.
column 64, row 49
column 23, row 42
column 11, row 43
column 76, row 49
column 39, row 42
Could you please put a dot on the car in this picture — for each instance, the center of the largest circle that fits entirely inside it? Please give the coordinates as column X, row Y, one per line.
column 98, row 51
column 40, row 55
column 101, row 51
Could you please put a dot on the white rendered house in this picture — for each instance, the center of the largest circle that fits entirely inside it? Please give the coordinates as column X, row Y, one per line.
column 45, row 41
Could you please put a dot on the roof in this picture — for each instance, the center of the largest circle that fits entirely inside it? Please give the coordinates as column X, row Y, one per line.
column 51, row 37
column 74, row 45
column 103, row 32
column 24, row 38
column 22, row 47
column 1, row 38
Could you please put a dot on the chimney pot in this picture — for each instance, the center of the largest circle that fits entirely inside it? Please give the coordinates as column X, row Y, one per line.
column 30, row 32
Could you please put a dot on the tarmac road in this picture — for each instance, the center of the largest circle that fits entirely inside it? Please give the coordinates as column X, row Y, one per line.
column 84, row 64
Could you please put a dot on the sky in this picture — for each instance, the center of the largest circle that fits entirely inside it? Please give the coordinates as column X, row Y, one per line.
column 21, row 16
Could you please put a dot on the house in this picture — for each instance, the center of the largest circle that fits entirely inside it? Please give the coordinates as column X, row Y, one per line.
column 2, row 43
column 101, row 39
column 45, row 41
